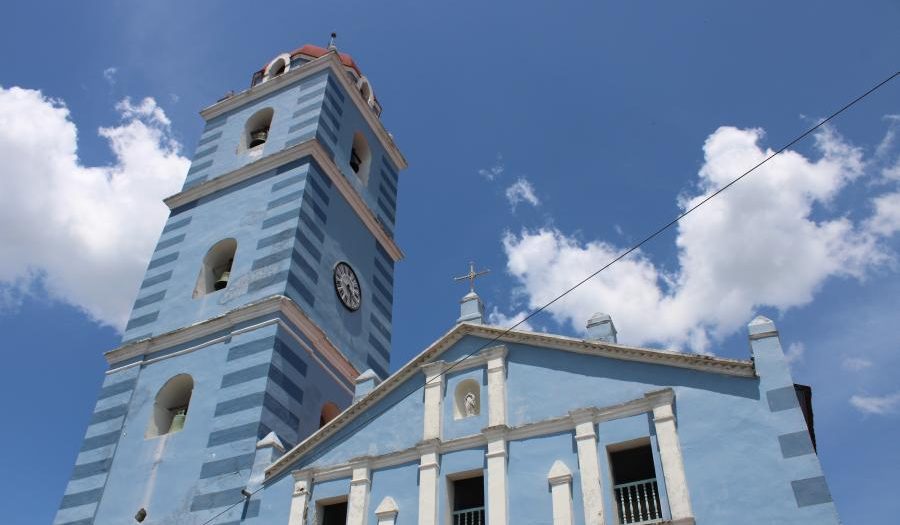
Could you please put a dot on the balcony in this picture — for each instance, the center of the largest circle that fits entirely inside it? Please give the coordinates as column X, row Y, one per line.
column 638, row 502
column 473, row 516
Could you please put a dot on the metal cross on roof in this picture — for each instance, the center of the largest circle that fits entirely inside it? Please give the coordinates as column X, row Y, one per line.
column 471, row 276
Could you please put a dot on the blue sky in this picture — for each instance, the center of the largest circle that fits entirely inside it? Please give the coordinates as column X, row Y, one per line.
column 541, row 139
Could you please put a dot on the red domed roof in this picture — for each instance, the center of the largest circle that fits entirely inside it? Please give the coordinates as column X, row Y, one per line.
column 316, row 52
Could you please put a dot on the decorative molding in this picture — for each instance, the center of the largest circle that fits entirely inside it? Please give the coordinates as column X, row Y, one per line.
column 273, row 304
column 327, row 61
column 763, row 335
column 310, row 148
column 436, row 447
column 732, row 367
column 387, row 511
column 271, row 440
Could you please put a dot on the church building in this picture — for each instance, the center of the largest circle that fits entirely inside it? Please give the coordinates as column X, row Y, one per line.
column 252, row 386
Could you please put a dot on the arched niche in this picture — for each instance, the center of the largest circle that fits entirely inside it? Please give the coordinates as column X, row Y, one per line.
column 360, row 157
column 215, row 272
column 467, row 399
column 170, row 408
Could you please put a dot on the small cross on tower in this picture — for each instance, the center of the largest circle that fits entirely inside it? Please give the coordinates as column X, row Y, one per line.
column 471, row 276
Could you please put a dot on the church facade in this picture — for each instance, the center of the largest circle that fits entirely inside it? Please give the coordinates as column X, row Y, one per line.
column 252, row 381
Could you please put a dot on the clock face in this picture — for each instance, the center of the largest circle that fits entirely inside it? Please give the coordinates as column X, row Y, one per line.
column 346, row 285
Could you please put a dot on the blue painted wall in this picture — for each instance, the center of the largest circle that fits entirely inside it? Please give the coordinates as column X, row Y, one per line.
column 744, row 454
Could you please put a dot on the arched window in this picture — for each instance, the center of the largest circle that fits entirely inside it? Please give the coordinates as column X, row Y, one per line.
column 256, row 130
column 278, row 66
column 171, row 406
column 360, row 157
column 216, row 269
column 329, row 412
column 365, row 89
column 467, row 399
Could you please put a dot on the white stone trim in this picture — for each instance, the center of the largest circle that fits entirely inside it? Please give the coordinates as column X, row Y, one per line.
column 387, row 511
column 429, row 468
column 497, row 498
column 311, row 148
column 588, row 466
column 326, row 61
column 672, row 462
column 299, row 501
column 560, row 480
column 324, row 348
column 432, row 416
column 358, row 500
column 496, row 378
column 641, row 405
column 723, row 366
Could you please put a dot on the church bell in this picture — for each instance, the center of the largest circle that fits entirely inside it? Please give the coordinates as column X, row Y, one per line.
column 222, row 281
column 178, row 420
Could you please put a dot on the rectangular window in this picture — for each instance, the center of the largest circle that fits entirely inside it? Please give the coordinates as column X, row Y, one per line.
column 634, row 483
column 334, row 514
column 468, row 501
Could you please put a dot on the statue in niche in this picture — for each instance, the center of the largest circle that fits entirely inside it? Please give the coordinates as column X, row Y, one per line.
column 471, row 408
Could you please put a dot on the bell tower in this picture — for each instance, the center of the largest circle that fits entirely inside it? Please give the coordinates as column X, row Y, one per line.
column 269, row 292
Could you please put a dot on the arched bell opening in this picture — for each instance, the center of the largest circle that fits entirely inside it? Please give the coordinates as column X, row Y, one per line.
column 171, row 406
column 360, row 157
column 256, row 130
column 215, row 272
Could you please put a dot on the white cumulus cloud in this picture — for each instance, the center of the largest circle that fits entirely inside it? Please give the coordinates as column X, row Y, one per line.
column 878, row 405
column 498, row 318
column 756, row 244
column 795, row 352
column 521, row 191
column 84, row 233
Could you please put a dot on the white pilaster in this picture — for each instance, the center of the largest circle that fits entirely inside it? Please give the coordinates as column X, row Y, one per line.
column 560, row 479
column 496, row 475
column 496, row 372
column 358, row 501
column 672, row 463
column 299, row 499
column 387, row 511
column 429, row 467
column 588, row 466
column 434, row 390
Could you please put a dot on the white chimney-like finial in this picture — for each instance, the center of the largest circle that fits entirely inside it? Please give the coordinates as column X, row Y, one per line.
column 331, row 43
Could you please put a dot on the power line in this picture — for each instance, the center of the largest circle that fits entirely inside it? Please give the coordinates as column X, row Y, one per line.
column 627, row 252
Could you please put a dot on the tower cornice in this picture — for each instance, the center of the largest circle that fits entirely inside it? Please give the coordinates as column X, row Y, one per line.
column 331, row 61
column 127, row 355
column 310, row 148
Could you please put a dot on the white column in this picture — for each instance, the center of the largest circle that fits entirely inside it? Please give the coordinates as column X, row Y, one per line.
column 496, row 375
column 434, row 390
column 299, row 499
column 588, row 466
column 560, row 479
column 358, row 501
column 387, row 511
column 672, row 463
column 496, row 475
column 429, row 467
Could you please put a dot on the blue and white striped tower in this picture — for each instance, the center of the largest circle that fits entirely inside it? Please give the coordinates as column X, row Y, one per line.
column 269, row 292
